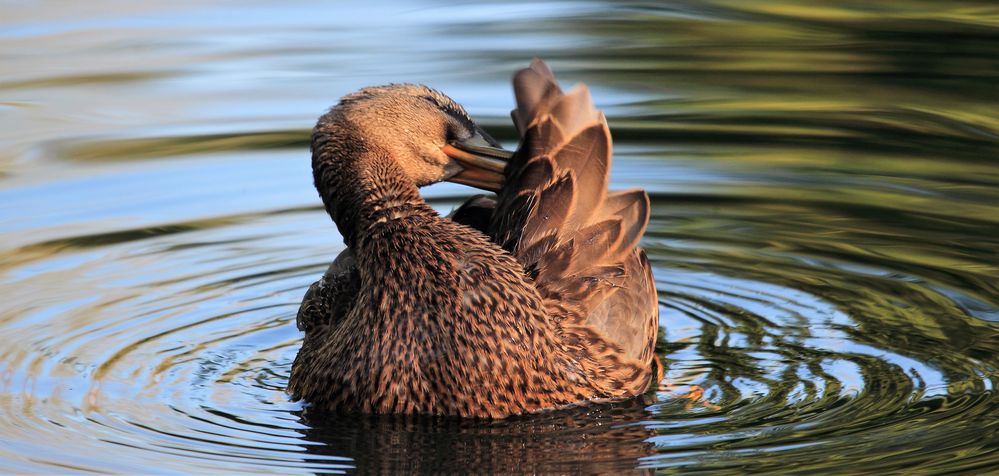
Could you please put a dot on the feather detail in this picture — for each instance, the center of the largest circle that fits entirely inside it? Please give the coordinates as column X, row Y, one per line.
column 578, row 241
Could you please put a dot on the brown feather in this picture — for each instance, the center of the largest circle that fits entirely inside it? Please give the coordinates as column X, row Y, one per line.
column 476, row 212
column 585, row 156
column 535, row 88
column 554, row 206
column 578, row 241
column 632, row 207
column 574, row 111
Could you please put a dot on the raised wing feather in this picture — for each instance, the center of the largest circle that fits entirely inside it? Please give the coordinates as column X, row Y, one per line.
column 555, row 215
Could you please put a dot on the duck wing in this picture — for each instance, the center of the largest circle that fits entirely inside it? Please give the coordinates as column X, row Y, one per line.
column 578, row 241
column 327, row 301
column 476, row 212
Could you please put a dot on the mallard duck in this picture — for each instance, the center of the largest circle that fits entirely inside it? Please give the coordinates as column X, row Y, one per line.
column 537, row 299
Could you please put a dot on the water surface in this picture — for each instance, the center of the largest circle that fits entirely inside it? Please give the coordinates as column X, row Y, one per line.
column 825, row 230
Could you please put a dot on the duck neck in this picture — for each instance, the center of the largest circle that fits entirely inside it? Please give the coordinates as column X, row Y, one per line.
column 361, row 185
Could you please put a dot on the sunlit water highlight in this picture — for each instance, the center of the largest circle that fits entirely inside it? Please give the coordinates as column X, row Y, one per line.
column 824, row 231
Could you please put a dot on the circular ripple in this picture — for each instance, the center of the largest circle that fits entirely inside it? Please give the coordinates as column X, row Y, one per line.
column 174, row 349
column 805, row 351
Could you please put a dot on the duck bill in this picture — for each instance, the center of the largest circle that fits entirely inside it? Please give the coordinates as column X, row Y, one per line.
column 482, row 163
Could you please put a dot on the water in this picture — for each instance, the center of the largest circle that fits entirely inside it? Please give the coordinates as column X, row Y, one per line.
column 825, row 230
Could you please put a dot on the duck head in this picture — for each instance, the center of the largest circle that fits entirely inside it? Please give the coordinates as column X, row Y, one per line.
column 425, row 133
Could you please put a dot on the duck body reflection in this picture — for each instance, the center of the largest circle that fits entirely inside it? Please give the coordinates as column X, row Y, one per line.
column 609, row 438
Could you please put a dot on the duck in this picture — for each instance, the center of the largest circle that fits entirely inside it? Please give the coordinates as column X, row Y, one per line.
column 534, row 297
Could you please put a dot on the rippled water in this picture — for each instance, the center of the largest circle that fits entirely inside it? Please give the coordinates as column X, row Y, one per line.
column 825, row 230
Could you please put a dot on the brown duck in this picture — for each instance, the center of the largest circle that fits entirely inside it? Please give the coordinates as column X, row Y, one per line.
column 537, row 299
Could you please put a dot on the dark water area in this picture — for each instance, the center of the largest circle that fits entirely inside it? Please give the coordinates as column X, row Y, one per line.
column 824, row 235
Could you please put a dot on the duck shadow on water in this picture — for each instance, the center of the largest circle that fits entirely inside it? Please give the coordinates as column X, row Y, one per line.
column 605, row 438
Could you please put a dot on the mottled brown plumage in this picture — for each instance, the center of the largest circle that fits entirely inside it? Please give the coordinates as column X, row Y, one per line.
column 536, row 300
